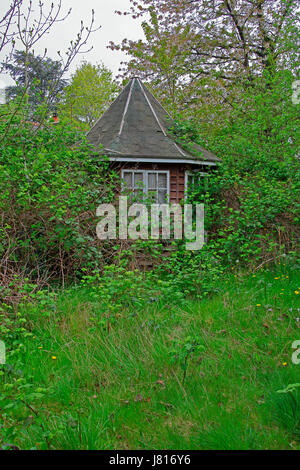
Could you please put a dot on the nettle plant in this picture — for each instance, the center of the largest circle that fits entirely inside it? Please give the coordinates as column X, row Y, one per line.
column 183, row 351
column 115, row 289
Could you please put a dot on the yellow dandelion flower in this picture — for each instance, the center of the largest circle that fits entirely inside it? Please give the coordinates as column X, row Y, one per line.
column 296, row 292
column 40, row 347
column 276, row 277
column 53, row 357
column 258, row 305
column 284, row 364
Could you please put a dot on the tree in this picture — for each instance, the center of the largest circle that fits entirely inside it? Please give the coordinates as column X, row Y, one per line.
column 44, row 78
column 206, row 49
column 27, row 23
column 6, row 22
column 229, row 37
column 90, row 92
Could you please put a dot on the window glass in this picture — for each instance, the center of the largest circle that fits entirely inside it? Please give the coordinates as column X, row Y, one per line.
column 139, row 182
column 162, row 196
column 152, row 181
column 193, row 179
column 162, row 180
column 127, row 176
column 138, row 179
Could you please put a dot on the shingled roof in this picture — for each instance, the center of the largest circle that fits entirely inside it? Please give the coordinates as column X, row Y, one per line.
column 136, row 127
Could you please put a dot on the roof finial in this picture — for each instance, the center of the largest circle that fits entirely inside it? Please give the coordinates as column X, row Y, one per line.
column 135, row 77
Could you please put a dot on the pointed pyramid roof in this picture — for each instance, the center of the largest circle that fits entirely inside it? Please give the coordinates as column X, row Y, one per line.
column 136, row 125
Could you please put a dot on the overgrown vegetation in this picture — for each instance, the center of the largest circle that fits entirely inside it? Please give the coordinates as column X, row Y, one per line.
column 102, row 364
column 252, row 203
column 50, row 186
column 199, row 349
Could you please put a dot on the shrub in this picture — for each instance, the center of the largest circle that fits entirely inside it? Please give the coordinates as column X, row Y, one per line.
column 50, row 186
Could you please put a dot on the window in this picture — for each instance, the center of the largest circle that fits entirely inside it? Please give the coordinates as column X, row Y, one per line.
column 154, row 184
column 134, row 182
column 191, row 179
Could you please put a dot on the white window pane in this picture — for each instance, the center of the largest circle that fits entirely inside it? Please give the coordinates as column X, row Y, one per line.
column 190, row 180
column 152, row 178
column 162, row 196
column 138, row 179
column 127, row 176
column 162, row 180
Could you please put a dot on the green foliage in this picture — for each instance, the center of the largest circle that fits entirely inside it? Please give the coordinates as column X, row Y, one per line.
column 251, row 201
column 183, row 350
column 283, row 405
column 192, row 354
column 50, row 187
column 199, row 54
column 89, row 94
column 118, row 286
column 192, row 375
column 290, row 388
column 230, row 436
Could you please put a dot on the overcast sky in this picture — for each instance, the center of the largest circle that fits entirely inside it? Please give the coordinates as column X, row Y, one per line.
column 114, row 28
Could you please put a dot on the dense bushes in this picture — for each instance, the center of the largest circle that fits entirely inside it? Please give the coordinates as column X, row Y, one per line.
column 50, row 186
column 251, row 201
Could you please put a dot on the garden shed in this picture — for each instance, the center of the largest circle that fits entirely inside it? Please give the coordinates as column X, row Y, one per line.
column 133, row 134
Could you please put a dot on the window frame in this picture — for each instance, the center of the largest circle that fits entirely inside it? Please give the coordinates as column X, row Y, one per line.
column 145, row 179
column 192, row 173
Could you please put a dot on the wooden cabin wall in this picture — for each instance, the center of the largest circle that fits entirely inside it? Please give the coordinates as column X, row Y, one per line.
column 177, row 175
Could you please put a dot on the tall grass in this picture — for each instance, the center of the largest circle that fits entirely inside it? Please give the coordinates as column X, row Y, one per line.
column 195, row 375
